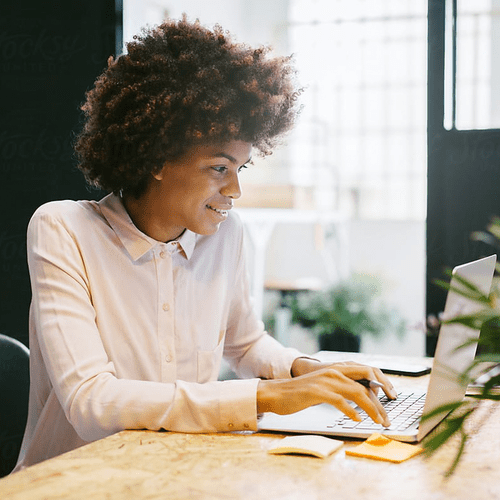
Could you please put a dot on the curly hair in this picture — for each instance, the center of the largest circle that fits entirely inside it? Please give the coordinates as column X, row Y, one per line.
column 180, row 85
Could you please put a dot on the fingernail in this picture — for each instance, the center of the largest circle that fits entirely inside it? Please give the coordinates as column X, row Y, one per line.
column 393, row 393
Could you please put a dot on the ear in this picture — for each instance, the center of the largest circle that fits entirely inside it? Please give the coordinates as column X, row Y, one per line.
column 158, row 175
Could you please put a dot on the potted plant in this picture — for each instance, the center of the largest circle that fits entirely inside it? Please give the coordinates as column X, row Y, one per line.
column 487, row 320
column 341, row 314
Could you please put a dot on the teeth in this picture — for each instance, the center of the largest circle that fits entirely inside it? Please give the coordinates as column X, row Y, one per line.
column 222, row 212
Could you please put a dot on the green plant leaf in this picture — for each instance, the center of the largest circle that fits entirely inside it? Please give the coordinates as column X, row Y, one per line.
column 491, row 383
column 447, row 408
column 469, row 290
column 447, row 429
column 487, row 320
column 487, row 396
column 487, row 358
column 494, row 227
column 484, row 237
column 459, row 453
column 480, row 359
column 474, row 319
column 354, row 306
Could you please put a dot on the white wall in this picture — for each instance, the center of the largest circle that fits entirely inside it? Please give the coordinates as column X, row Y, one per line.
column 247, row 24
column 243, row 18
column 393, row 251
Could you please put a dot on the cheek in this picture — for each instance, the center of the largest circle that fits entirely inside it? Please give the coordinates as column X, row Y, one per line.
column 204, row 194
column 195, row 204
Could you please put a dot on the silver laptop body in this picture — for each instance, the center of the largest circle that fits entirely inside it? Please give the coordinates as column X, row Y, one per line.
column 444, row 386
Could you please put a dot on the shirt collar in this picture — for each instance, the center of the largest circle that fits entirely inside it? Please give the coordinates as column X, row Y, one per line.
column 135, row 241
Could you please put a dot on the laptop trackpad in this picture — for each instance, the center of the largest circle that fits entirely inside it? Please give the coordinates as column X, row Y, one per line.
column 314, row 419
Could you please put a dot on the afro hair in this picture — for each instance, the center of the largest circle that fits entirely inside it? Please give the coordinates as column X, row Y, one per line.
column 180, row 85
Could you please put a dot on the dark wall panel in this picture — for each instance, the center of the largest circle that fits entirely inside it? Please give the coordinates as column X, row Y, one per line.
column 50, row 53
column 463, row 192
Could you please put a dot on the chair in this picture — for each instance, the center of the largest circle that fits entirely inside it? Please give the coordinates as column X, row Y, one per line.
column 14, row 392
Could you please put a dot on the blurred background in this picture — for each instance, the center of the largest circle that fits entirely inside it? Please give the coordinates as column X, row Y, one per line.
column 357, row 161
column 347, row 193
column 392, row 165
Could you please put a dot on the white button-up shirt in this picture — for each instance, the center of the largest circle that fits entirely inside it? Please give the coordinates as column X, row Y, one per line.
column 127, row 332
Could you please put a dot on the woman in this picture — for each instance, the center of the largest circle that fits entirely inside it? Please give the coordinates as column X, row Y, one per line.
column 137, row 297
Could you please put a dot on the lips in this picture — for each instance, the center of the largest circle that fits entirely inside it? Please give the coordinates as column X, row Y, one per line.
column 218, row 210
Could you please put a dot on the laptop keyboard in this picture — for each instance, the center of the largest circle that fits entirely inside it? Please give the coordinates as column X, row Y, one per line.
column 402, row 412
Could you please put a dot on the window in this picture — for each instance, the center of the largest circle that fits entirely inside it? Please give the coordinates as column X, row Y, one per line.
column 361, row 140
column 472, row 72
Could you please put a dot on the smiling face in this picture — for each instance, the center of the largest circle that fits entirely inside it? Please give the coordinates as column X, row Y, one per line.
column 194, row 192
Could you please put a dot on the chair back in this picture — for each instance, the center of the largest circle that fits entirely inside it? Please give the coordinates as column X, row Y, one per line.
column 14, row 394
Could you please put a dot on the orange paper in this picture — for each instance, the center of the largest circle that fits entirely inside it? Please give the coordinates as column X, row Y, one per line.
column 380, row 447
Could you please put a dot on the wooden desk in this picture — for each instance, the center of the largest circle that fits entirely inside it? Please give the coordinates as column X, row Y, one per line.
column 162, row 465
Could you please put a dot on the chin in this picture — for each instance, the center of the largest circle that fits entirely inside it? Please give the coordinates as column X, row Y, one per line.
column 207, row 231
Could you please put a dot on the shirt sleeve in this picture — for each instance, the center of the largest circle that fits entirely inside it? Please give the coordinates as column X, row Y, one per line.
column 249, row 349
column 95, row 401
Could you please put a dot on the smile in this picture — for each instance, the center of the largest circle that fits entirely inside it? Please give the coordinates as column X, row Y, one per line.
column 221, row 212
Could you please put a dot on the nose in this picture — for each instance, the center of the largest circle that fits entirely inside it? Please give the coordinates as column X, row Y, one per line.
column 232, row 188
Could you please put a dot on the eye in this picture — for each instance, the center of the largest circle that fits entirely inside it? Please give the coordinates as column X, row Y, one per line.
column 220, row 169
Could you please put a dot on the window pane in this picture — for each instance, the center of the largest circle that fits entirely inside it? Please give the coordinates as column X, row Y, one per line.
column 364, row 63
column 477, row 45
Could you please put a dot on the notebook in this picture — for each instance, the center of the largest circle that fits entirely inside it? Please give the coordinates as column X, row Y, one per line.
column 444, row 386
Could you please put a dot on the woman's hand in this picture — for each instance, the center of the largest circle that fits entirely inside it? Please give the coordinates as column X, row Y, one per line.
column 304, row 365
column 315, row 382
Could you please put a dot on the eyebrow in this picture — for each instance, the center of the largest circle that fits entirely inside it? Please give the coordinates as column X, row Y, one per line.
column 229, row 157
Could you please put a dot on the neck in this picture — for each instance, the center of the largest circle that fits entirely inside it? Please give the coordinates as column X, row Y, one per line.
column 143, row 214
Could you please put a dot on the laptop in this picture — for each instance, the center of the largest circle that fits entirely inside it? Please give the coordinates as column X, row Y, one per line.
column 444, row 386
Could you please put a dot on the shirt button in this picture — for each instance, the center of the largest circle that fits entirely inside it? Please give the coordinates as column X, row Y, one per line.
column 168, row 358
column 165, row 307
column 163, row 254
column 230, row 425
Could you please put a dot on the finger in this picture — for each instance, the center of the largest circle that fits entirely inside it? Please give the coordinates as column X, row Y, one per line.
column 365, row 399
column 331, row 384
column 343, row 405
column 357, row 371
column 383, row 414
column 388, row 388
column 373, row 395
column 371, row 405
column 369, row 402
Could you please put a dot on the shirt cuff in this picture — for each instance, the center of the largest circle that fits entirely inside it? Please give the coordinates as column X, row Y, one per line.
column 282, row 367
column 238, row 405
